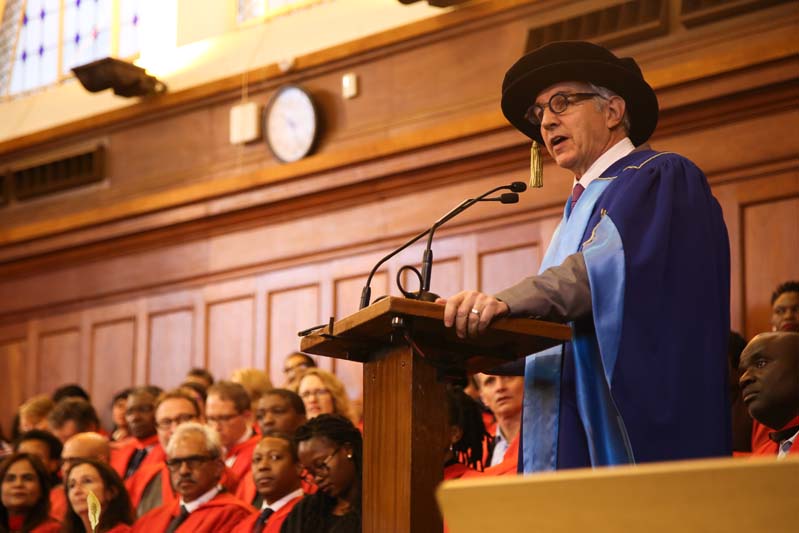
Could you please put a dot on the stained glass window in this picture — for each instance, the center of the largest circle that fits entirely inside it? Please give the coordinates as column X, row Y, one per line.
column 41, row 40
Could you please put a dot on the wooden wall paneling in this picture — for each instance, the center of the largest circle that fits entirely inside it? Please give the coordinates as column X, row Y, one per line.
column 771, row 244
column 61, row 353
column 112, row 353
column 289, row 311
column 13, row 358
column 171, row 339
column 229, row 334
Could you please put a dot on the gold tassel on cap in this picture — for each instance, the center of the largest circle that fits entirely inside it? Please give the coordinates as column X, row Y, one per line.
column 536, row 167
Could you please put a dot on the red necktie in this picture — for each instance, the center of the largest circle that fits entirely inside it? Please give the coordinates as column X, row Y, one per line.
column 576, row 192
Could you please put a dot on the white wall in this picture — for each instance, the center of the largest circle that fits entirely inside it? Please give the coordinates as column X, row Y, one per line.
column 191, row 42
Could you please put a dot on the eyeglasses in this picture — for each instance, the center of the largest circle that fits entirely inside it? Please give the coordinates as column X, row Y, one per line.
column 166, row 423
column 221, row 419
column 558, row 103
column 306, row 395
column 192, row 461
column 322, row 468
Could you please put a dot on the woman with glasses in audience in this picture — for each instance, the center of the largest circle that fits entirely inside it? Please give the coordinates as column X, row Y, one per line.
column 116, row 515
column 24, row 496
column 323, row 393
column 331, row 450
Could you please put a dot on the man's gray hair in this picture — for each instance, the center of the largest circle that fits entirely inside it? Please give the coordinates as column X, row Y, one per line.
column 211, row 437
column 607, row 94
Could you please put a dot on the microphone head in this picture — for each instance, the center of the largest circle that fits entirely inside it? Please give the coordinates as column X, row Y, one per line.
column 518, row 186
column 509, row 198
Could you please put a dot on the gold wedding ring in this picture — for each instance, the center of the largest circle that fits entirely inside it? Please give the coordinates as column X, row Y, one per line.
column 475, row 311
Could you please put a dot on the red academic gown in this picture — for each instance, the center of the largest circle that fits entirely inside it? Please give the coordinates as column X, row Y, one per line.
column 58, row 502
column 761, row 443
column 120, row 457
column 51, row 525
column 243, row 454
column 456, row 471
column 138, row 482
column 274, row 522
column 220, row 515
column 508, row 466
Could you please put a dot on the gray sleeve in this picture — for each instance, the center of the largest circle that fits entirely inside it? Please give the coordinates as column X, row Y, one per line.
column 561, row 293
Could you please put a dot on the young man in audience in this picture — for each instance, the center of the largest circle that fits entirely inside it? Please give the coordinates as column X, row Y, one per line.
column 71, row 390
column 194, row 459
column 277, row 474
column 143, row 447
column 279, row 410
column 150, row 486
column 503, row 395
column 227, row 410
column 71, row 416
column 769, row 381
column 46, row 447
column 785, row 307
column 33, row 413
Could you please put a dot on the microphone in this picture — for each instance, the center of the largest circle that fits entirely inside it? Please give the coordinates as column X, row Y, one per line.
column 505, row 198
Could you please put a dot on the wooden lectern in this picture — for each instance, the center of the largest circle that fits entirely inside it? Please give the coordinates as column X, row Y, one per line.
column 408, row 354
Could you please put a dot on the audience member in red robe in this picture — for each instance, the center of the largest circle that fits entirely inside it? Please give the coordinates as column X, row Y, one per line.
column 46, row 447
column 331, row 449
column 24, row 495
column 84, row 446
column 227, row 410
column 465, row 436
column 504, row 396
column 71, row 416
column 770, row 388
column 194, row 459
column 90, row 475
column 279, row 410
column 143, row 448
column 119, row 406
column 277, row 474
column 149, row 486
column 508, row 466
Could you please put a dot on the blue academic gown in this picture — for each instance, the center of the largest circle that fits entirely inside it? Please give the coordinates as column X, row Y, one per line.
column 645, row 376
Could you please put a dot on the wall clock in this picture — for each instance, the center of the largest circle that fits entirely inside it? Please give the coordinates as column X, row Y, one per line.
column 291, row 123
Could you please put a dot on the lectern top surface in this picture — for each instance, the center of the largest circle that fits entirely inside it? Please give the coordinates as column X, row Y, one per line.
column 357, row 336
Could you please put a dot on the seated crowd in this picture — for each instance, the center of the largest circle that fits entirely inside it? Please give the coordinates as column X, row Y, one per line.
column 242, row 456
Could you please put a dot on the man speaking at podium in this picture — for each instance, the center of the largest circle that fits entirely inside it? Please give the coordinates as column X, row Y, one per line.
column 639, row 267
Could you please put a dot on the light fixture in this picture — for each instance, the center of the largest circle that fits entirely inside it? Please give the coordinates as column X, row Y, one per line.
column 126, row 79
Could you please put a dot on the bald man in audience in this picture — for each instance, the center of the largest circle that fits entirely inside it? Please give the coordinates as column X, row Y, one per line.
column 143, row 446
column 195, row 462
column 769, row 382
column 277, row 473
column 88, row 445
column 227, row 411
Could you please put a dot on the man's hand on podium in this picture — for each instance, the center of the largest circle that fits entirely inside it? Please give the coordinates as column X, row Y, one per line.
column 471, row 312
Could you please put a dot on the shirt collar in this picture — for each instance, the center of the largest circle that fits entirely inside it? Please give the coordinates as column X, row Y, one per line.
column 787, row 444
column 616, row 152
column 275, row 506
column 205, row 498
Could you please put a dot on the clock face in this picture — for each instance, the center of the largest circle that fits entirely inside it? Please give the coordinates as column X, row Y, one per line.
column 291, row 124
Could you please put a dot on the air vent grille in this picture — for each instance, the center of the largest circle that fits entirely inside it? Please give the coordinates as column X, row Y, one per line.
column 611, row 26
column 59, row 175
column 697, row 12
